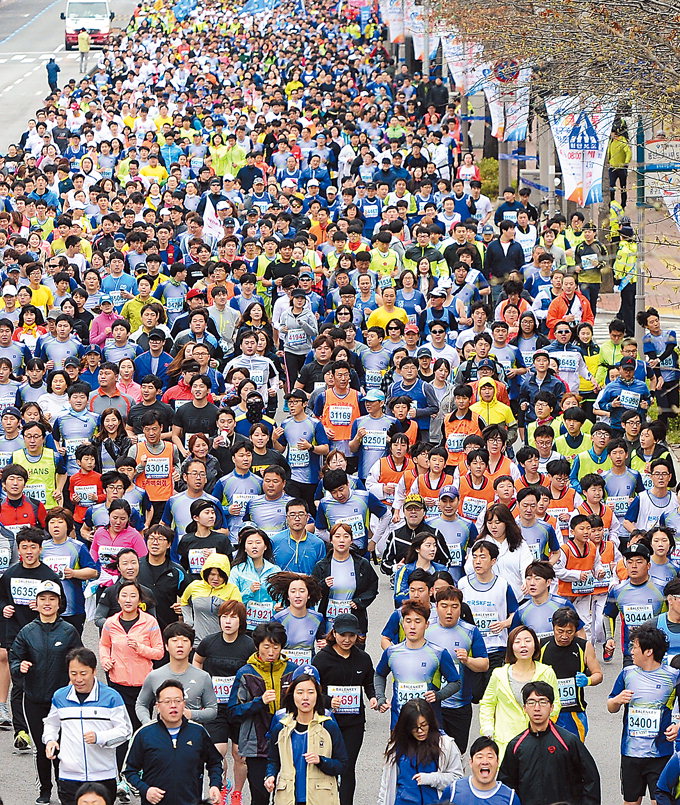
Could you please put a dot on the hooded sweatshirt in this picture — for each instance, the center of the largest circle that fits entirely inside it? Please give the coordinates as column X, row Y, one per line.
column 200, row 601
column 493, row 412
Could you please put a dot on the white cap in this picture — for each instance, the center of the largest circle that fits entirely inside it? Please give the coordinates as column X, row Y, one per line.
column 9, row 290
column 289, row 183
column 48, row 586
column 222, row 205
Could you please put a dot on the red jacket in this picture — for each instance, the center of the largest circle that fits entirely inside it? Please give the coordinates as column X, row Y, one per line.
column 559, row 308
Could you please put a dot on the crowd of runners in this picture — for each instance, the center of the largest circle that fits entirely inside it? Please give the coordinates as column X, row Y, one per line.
column 266, row 347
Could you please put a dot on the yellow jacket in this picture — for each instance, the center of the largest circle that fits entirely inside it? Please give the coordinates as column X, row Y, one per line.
column 501, row 716
column 494, row 412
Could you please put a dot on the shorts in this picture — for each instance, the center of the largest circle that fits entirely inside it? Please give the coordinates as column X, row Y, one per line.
column 574, row 722
column 640, row 774
column 223, row 729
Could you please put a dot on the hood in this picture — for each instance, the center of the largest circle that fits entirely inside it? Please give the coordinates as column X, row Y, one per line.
column 217, row 560
column 487, row 381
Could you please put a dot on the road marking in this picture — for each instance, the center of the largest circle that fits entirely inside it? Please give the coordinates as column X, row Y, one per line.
column 18, row 56
column 28, row 60
column 30, row 21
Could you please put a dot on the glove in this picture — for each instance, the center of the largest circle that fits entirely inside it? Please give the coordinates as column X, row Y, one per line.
column 581, row 680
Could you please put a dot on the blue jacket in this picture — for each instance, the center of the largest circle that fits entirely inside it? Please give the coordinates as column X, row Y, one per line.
column 669, row 781
column 154, row 760
column 530, row 388
column 615, row 389
column 143, row 367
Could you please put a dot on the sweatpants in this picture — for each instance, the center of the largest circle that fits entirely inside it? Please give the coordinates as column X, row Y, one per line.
column 129, row 694
column 456, row 721
column 34, row 713
column 257, row 767
column 354, row 738
column 597, row 612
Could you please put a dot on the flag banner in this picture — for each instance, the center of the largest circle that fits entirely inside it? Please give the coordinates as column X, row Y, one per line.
column 414, row 25
column 507, row 92
column 672, row 202
column 581, row 138
column 462, row 58
column 393, row 12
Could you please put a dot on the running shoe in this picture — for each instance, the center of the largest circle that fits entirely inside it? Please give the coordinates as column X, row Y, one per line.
column 22, row 741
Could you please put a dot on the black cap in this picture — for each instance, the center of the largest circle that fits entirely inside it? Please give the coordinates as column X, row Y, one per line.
column 637, row 549
column 299, row 293
column 297, row 394
column 346, row 624
column 156, row 335
column 627, row 363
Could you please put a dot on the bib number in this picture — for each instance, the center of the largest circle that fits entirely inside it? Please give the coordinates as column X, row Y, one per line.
column 484, row 617
column 358, row 526
column 298, row 458
column 637, row 614
column 643, row 722
column 583, row 586
column 456, row 552
column 373, row 379
column 619, row 504
column 259, row 612
column 410, row 690
column 157, row 467
column 197, row 558
column 454, row 442
column 350, row 698
column 297, row 338
column 340, row 414
column 84, row 492
column 23, row 590
column 472, row 508
column 222, row 686
column 300, row 656
column 336, row 608
column 374, row 440
column 174, row 304
column 567, row 691
column 5, row 556
column 58, row 564
column 37, row 492
column 629, row 399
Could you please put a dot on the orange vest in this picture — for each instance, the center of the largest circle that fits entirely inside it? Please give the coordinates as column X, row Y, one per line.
column 389, row 474
column 411, row 431
column 521, row 482
column 574, row 561
column 430, row 494
column 503, row 468
column 472, row 500
column 156, row 478
column 565, row 504
column 339, row 413
column 606, row 514
column 455, row 431
column 606, row 549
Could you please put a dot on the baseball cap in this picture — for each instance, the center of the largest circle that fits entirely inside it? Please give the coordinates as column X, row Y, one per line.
column 487, row 229
column 346, row 624
column 308, row 274
column 104, row 298
column 9, row 290
column 48, row 586
column 638, row 549
column 228, row 221
column 54, row 313
column 72, row 362
column 194, row 292
column 306, row 670
column 156, row 335
column 540, row 352
column 411, row 328
column 414, row 500
column 486, row 363
column 258, row 180
column 11, row 410
column 423, row 352
column 313, row 181
column 222, row 205
column 298, row 293
column 289, row 183
column 448, row 491
column 297, row 394
column 627, row 363
column 374, row 395
column 438, row 293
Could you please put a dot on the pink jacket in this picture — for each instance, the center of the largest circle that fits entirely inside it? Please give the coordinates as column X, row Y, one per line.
column 131, row 665
column 104, row 547
column 98, row 327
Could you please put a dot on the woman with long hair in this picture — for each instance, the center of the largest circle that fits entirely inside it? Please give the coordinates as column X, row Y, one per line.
column 126, row 379
column 421, row 554
column 111, row 439
column 501, row 711
column 304, row 625
column 30, row 327
column 254, row 318
column 528, row 339
column 130, row 642
column 420, row 761
column 200, row 446
column 501, row 528
column 306, row 738
column 221, row 655
column 346, row 674
column 348, row 582
column 252, row 565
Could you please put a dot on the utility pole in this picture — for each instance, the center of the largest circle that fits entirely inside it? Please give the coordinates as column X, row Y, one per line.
column 426, row 39
column 640, row 204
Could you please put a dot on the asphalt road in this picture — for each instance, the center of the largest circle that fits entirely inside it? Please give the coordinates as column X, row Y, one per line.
column 30, row 33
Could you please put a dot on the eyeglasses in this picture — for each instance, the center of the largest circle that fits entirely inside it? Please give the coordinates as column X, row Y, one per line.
column 421, row 728
column 392, row 328
column 296, row 515
column 660, row 474
column 171, row 701
column 537, row 703
column 157, row 539
column 195, row 474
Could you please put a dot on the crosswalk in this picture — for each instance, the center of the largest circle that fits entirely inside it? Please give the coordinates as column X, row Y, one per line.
column 601, row 328
column 36, row 58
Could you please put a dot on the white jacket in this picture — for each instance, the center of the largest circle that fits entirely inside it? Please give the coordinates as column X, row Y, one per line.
column 450, row 769
column 104, row 713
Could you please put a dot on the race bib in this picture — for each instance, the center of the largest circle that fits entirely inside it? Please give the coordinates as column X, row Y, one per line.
column 340, row 414
column 668, row 362
column 83, row 493
column 413, row 318
column 374, row 440
column 259, row 612
column 257, row 376
column 473, row 507
column 535, row 551
column 336, row 608
column 385, row 282
column 300, row 656
column 5, row 557
column 358, row 525
column 589, row 261
column 197, row 558
column 643, row 722
column 58, row 564
column 510, row 215
column 454, row 442
column 175, row 304
column 629, row 399
column 72, row 444
column 431, row 511
column 637, row 614
column 296, row 338
column 23, row 590
column 568, row 363
column 117, row 298
column 567, row 691
column 373, row 378
column 484, row 617
column 350, row 698
column 410, row 690
column 583, row 586
column 5, row 459
column 108, row 553
column 37, row 492
column 298, row 458
column 456, row 553
column 222, row 686
column 618, row 504
column 241, row 498
column 157, row 467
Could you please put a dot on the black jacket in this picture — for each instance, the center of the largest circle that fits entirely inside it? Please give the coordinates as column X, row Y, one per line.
column 399, row 541
column 46, row 646
column 166, row 582
column 23, row 614
column 550, row 766
column 366, row 581
column 357, row 669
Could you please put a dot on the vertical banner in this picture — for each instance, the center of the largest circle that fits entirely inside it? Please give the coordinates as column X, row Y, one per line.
column 672, row 202
column 414, row 25
column 393, row 14
column 581, row 138
column 464, row 59
column 506, row 87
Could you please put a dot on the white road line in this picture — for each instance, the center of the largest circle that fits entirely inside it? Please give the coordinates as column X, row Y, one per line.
column 18, row 56
column 28, row 60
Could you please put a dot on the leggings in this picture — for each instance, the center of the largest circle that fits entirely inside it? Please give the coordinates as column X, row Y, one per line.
column 354, row 738
column 294, row 364
column 34, row 713
column 129, row 694
column 257, row 767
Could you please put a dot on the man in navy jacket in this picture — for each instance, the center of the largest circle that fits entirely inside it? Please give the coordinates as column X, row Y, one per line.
column 155, row 361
